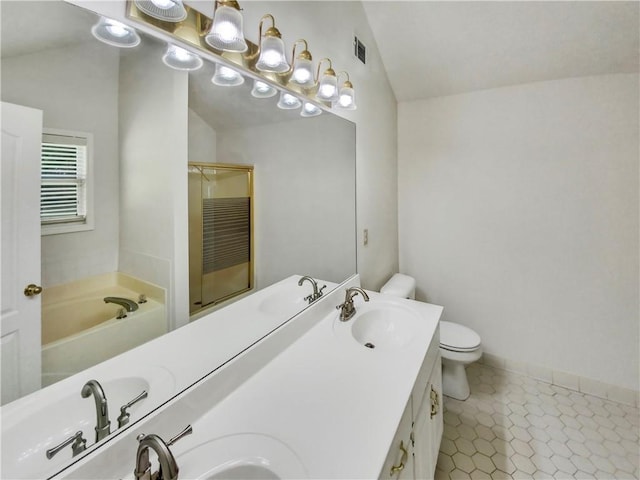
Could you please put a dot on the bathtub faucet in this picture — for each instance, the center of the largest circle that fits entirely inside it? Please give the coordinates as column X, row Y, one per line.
column 129, row 305
column 103, row 425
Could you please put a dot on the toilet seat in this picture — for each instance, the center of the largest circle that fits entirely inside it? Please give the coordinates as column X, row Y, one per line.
column 458, row 338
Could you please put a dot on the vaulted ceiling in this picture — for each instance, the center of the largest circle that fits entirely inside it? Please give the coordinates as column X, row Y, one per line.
column 436, row 48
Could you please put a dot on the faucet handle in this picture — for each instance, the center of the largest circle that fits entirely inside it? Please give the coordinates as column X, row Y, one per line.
column 123, row 419
column 187, row 431
column 79, row 444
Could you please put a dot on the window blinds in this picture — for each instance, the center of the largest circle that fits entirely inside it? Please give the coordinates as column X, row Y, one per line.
column 63, row 171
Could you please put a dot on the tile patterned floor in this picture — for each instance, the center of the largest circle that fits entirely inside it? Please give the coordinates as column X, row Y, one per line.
column 515, row 427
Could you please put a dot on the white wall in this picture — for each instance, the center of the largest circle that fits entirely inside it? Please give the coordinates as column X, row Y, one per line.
column 518, row 212
column 153, row 149
column 202, row 140
column 303, row 187
column 77, row 89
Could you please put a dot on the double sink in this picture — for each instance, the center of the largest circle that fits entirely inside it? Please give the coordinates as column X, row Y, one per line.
column 307, row 393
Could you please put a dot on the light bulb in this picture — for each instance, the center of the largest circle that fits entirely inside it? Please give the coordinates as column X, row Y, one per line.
column 164, row 4
column 227, row 77
column 181, row 59
column 301, row 75
column 327, row 91
column 115, row 33
column 310, row 110
column 227, row 31
column 262, row 90
column 345, row 100
column 288, row 101
column 117, row 29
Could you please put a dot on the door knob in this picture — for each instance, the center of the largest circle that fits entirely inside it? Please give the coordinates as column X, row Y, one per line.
column 32, row 289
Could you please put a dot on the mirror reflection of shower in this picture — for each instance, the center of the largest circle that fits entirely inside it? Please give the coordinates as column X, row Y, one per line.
column 220, row 233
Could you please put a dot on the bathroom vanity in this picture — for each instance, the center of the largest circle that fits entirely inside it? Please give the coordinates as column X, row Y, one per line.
column 316, row 398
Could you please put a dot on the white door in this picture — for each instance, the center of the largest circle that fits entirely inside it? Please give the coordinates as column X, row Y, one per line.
column 20, row 347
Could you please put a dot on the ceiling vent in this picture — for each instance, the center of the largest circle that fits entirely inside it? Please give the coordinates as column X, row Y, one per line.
column 360, row 50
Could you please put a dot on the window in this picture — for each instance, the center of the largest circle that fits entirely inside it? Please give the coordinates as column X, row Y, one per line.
column 65, row 200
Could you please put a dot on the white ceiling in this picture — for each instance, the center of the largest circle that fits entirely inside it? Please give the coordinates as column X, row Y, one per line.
column 432, row 49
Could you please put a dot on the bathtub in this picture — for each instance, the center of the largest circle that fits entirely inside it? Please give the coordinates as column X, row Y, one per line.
column 79, row 330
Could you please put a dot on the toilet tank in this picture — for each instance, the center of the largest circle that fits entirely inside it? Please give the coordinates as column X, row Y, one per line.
column 400, row 285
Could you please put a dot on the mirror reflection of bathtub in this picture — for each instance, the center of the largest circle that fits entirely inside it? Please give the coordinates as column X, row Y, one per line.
column 80, row 330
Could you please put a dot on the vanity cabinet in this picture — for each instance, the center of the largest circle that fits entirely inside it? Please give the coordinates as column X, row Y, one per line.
column 428, row 426
column 414, row 450
column 399, row 462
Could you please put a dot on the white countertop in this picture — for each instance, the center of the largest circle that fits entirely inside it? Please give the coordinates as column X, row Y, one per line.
column 310, row 386
column 335, row 403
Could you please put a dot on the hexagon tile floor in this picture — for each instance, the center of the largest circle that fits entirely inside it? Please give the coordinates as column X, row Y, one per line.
column 515, row 427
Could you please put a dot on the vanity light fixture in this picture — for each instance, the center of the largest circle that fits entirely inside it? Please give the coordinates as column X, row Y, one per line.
column 166, row 10
column 328, row 86
column 310, row 110
column 271, row 47
column 302, row 67
column 288, row 101
column 262, row 90
column 227, row 77
column 346, row 96
column 115, row 33
column 181, row 59
column 226, row 33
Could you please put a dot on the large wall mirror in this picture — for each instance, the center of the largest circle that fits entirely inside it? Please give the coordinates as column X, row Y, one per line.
column 145, row 122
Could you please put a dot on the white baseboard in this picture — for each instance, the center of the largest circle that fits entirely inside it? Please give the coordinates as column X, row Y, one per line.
column 567, row 380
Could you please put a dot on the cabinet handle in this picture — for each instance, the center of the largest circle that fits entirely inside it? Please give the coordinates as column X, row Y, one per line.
column 398, row 468
column 435, row 402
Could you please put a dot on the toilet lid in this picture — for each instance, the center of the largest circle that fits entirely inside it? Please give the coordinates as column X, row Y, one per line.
column 458, row 338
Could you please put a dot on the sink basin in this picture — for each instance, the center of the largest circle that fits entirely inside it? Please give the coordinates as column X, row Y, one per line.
column 285, row 303
column 384, row 327
column 246, row 472
column 245, row 456
column 43, row 420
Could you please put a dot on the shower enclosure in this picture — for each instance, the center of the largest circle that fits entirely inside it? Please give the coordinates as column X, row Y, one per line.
column 220, row 233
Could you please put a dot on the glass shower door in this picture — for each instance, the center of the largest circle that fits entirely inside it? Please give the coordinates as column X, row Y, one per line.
column 220, row 233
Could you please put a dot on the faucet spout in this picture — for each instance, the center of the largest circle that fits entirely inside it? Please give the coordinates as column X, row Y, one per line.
column 168, row 466
column 348, row 309
column 103, row 425
column 129, row 305
column 317, row 293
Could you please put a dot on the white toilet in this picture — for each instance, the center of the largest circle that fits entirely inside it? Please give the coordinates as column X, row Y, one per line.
column 459, row 345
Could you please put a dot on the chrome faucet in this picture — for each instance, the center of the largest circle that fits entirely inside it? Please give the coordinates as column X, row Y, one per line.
column 316, row 293
column 129, row 305
column 347, row 309
column 168, row 467
column 103, row 425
